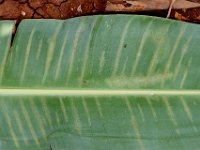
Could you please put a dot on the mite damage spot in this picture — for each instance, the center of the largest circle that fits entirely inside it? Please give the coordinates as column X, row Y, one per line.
column 84, row 82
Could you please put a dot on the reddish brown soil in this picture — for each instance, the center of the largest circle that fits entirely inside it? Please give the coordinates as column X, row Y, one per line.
column 57, row 9
column 63, row 9
column 190, row 15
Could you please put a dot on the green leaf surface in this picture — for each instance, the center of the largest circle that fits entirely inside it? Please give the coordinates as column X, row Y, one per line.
column 6, row 28
column 101, row 83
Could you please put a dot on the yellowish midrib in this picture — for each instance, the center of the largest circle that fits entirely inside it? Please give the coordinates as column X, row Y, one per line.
column 93, row 92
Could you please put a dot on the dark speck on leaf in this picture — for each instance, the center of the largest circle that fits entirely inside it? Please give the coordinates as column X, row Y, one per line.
column 84, row 82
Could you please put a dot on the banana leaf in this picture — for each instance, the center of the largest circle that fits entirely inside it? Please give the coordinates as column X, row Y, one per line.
column 100, row 83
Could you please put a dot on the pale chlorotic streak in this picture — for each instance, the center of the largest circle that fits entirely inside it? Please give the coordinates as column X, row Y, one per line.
column 174, row 49
column 141, row 47
column 27, row 55
column 28, row 122
column 80, row 29
column 135, row 125
column 50, row 52
column 93, row 92
column 182, row 55
column 120, row 47
column 86, row 51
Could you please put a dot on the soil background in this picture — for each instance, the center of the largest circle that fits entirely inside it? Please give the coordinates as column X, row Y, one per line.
column 63, row 9
column 57, row 9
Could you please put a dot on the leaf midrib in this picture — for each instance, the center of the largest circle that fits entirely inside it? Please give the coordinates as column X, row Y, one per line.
column 94, row 92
